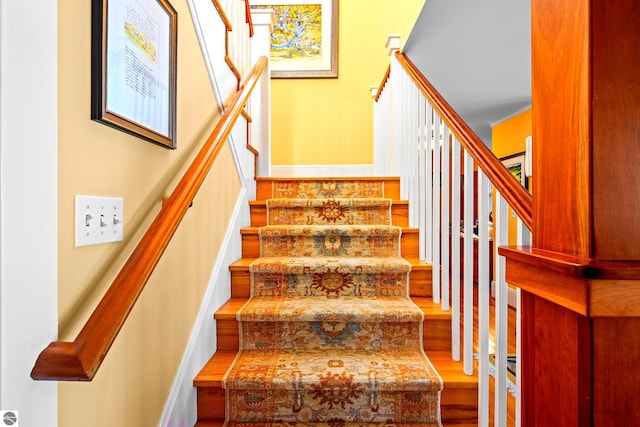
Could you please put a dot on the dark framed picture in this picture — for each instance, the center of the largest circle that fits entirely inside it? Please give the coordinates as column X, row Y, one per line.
column 304, row 41
column 515, row 164
column 133, row 67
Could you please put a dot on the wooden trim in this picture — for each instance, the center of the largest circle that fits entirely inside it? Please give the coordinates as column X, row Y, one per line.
column 588, row 287
column 384, row 82
column 249, row 19
column 249, row 120
column 515, row 194
column 222, row 14
column 79, row 360
column 556, row 355
column 252, row 149
column 573, row 266
column 233, row 68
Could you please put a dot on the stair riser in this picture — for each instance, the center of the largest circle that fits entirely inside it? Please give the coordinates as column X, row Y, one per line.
column 419, row 283
column 347, row 241
column 331, row 284
column 436, row 334
column 399, row 215
column 391, row 187
column 458, row 405
column 374, row 408
column 409, row 244
column 322, row 335
column 211, row 403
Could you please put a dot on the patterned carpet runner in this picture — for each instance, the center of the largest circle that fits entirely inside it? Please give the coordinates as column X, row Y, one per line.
column 329, row 336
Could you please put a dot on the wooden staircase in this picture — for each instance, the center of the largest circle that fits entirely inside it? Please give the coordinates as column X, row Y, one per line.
column 459, row 397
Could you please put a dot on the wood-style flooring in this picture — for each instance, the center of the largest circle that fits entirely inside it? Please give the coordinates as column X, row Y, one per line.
column 511, row 349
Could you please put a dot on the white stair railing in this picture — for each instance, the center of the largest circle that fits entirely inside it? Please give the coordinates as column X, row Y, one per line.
column 450, row 199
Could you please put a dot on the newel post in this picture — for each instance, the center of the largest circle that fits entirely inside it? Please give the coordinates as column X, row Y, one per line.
column 581, row 277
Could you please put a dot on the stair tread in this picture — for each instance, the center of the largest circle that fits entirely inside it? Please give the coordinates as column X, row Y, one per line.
column 362, row 310
column 323, row 178
column 255, row 229
column 250, row 230
column 431, row 310
column 418, row 264
column 244, row 263
column 221, row 423
column 264, row 202
column 451, row 372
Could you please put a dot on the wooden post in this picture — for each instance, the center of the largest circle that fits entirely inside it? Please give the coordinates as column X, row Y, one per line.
column 581, row 277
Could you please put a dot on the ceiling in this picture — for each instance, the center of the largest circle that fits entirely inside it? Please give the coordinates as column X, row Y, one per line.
column 477, row 54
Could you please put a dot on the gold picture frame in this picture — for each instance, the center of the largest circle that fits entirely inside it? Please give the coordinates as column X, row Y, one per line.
column 304, row 41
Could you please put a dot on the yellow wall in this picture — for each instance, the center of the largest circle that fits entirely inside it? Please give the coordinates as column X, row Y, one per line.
column 507, row 138
column 330, row 121
column 133, row 383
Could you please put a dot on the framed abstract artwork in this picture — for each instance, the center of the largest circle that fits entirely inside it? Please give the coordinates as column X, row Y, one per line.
column 133, row 67
column 304, row 41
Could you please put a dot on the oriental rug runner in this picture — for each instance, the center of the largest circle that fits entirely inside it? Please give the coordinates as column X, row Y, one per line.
column 330, row 336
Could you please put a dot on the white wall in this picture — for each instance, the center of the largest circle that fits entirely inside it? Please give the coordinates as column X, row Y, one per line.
column 28, row 205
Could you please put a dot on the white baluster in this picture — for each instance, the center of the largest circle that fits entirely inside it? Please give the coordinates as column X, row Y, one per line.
column 469, row 204
column 445, row 221
column 395, row 79
column 455, row 249
column 413, row 151
column 400, row 118
column 501, row 227
column 437, row 190
column 406, row 153
column 422, row 191
column 429, row 182
column 483, row 299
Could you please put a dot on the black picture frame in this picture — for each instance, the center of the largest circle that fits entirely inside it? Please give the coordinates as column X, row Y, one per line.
column 515, row 164
column 134, row 68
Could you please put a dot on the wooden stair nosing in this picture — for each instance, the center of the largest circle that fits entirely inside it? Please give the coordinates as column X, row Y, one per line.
column 458, row 399
column 436, row 331
column 451, row 372
column 253, row 230
column 420, row 283
column 409, row 242
column 399, row 213
column 220, row 423
column 430, row 309
column 326, row 178
column 264, row 185
column 242, row 264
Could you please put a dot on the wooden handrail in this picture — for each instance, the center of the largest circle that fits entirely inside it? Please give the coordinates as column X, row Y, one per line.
column 79, row 360
column 516, row 195
column 223, row 15
column 247, row 11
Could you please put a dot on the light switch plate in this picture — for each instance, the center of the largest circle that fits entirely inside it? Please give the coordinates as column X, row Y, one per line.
column 98, row 220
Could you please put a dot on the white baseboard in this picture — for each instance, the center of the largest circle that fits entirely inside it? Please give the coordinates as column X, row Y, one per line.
column 181, row 407
column 309, row 171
